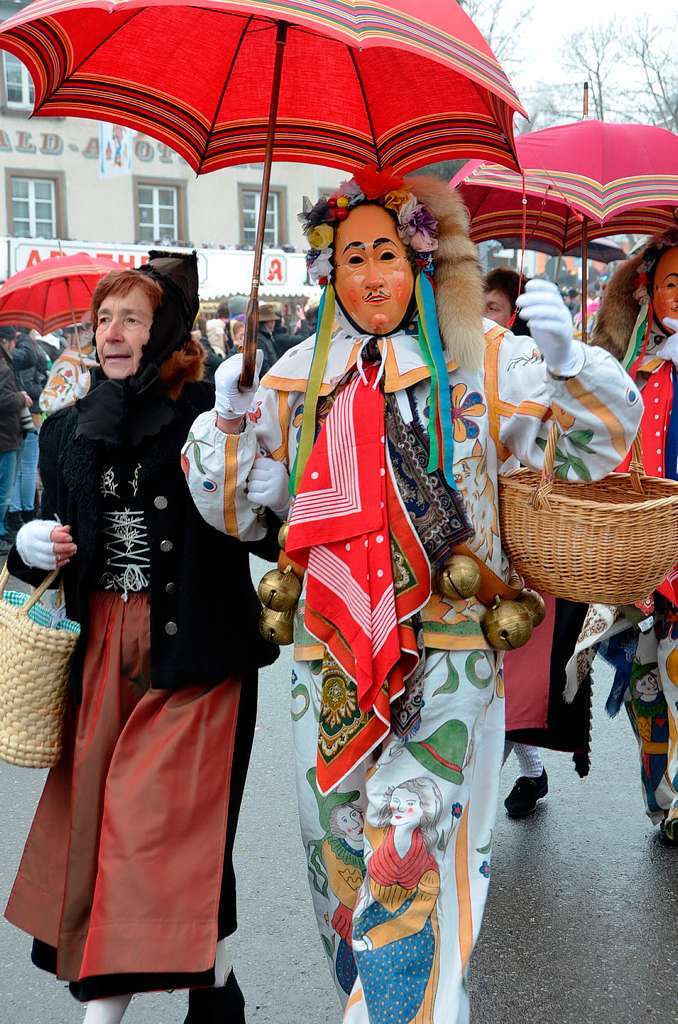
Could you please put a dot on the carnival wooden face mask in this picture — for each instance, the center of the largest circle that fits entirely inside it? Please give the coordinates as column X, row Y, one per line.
column 665, row 289
column 373, row 278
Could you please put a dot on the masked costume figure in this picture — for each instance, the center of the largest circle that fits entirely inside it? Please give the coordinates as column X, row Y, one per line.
column 126, row 881
column 393, row 430
column 638, row 323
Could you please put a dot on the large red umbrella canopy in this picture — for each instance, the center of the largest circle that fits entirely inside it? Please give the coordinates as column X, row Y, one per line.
column 398, row 85
column 53, row 293
column 610, row 178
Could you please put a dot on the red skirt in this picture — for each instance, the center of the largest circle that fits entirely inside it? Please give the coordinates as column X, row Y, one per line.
column 122, row 870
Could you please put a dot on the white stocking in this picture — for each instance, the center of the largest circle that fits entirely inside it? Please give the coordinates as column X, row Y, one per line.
column 223, row 964
column 107, row 1011
column 529, row 759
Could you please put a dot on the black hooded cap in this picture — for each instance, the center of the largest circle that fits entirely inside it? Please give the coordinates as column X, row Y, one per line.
column 116, row 411
column 177, row 275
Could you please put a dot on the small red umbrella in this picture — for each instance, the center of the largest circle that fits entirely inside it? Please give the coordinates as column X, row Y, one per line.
column 53, row 293
column 590, row 179
column 336, row 82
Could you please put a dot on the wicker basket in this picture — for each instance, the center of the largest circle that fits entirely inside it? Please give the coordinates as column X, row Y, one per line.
column 610, row 542
column 34, row 671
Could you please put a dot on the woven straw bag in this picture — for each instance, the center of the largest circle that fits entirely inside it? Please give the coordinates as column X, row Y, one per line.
column 610, row 542
column 35, row 661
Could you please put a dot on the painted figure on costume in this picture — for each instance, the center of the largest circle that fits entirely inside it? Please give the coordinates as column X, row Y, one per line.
column 336, row 863
column 396, row 934
column 390, row 431
column 638, row 323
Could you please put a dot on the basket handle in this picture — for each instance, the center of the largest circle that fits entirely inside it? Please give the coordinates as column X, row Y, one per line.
column 37, row 593
column 540, row 496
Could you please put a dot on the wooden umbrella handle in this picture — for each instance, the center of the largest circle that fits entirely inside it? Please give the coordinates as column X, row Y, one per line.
column 249, row 348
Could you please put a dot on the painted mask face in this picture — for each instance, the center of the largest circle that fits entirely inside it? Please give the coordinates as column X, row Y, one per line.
column 373, row 279
column 665, row 289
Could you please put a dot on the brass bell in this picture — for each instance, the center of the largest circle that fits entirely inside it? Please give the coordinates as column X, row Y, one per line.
column 282, row 535
column 460, row 578
column 535, row 605
column 278, row 590
column 507, row 625
column 277, row 627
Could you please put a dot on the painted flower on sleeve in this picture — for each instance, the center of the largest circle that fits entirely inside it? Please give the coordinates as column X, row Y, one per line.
column 466, row 407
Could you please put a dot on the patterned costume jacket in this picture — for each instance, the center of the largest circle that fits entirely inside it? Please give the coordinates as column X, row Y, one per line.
column 502, row 414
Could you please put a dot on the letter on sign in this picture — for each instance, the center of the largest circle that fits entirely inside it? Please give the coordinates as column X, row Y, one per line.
column 275, row 269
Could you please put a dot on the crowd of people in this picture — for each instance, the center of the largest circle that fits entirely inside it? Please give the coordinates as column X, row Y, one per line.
column 363, row 459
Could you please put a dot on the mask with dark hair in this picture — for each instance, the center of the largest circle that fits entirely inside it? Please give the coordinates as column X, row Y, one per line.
column 116, row 411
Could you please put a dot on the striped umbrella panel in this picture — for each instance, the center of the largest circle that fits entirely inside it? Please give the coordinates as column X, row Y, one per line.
column 361, row 83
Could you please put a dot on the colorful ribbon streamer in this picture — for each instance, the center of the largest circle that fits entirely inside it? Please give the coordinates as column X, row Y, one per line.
column 440, row 429
column 315, row 379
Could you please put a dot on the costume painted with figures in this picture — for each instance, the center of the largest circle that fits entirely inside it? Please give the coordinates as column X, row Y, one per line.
column 394, row 428
column 638, row 323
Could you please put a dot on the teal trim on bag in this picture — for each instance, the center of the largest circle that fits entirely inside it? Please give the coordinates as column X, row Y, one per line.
column 40, row 614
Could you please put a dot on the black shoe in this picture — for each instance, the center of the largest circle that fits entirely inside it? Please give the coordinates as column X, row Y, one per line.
column 28, row 515
column 217, row 1005
column 522, row 800
column 13, row 523
column 5, row 545
column 668, row 832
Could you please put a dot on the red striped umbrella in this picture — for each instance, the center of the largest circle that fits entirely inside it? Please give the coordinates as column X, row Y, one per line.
column 398, row 85
column 53, row 293
column 590, row 179
column 338, row 82
column 607, row 178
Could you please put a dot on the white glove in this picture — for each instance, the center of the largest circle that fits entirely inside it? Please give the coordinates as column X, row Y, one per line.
column 34, row 545
column 231, row 402
column 550, row 323
column 268, row 485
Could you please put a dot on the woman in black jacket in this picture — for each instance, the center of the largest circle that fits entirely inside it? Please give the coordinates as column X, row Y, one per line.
column 126, row 882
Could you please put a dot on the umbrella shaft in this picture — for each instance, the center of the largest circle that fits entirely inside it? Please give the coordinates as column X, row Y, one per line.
column 252, row 326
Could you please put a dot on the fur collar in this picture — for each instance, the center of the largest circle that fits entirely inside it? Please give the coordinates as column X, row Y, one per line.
column 459, row 283
column 618, row 310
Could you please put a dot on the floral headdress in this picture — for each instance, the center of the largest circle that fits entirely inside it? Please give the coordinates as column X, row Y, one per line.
column 417, row 226
column 418, row 229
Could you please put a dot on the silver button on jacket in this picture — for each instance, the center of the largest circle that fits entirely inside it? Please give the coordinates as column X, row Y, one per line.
column 160, row 502
column 166, row 545
column 171, row 628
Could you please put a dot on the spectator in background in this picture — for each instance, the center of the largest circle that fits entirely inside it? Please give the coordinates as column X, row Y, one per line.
column 282, row 339
column 213, row 357
column 266, row 340
column 573, row 301
column 12, row 403
column 309, row 323
column 216, row 329
column 237, row 328
column 502, row 288
column 69, row 376
column 30, row 367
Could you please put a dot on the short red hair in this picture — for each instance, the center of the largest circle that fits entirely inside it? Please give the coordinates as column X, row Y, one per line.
column 122, row 282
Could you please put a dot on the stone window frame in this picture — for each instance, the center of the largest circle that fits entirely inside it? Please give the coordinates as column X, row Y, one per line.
column 149, row 181
column 59, row 179
column 281, row 192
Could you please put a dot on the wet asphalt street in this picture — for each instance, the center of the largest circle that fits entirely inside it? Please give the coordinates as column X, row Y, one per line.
column 581, row 925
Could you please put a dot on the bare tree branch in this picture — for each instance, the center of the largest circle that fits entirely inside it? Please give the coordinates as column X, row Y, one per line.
column 500, row 27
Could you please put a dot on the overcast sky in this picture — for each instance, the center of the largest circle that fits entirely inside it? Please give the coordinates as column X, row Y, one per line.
column 538, row 43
